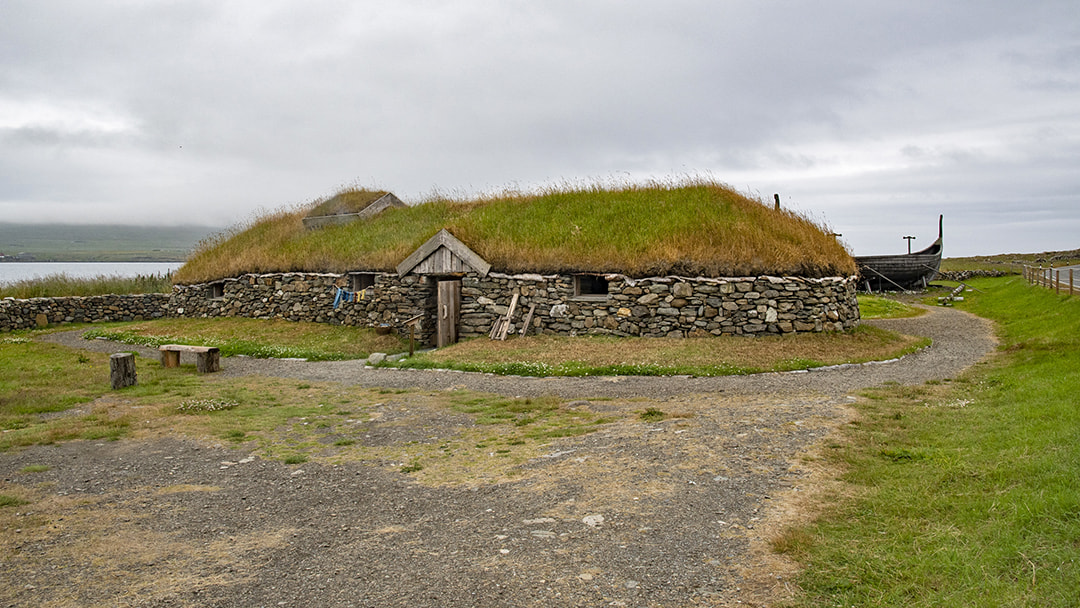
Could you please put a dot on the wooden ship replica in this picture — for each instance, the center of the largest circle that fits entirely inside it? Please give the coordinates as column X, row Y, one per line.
column 902, row 272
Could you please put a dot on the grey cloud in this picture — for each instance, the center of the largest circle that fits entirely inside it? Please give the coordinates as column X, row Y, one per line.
column 237, row 105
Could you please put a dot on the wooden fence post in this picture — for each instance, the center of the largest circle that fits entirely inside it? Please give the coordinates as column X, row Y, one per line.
column 122, row 370
column 1057, row 281
column 1070, row 281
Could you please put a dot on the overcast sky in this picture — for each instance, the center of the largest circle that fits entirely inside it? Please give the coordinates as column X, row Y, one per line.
column 873, row 117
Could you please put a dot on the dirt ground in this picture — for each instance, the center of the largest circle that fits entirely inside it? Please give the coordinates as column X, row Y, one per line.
column 676, row 512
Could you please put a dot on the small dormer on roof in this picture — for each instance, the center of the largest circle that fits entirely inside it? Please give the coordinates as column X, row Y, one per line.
column 377, row 206
column 443, row 254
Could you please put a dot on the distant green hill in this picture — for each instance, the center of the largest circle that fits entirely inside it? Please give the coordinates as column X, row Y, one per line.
column 81, row 243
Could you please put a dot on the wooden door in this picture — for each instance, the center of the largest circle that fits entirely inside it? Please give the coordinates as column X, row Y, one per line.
column 448, row 305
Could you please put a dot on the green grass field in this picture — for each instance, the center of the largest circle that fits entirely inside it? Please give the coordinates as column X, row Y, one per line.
column 256, row 337
column 877, row 307
column 961, row 493
column 59, row 285
column 50, row 393
column 1012, row 262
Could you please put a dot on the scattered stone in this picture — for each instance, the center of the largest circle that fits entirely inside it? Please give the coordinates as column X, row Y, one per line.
column 593, row 521
column 558, row 454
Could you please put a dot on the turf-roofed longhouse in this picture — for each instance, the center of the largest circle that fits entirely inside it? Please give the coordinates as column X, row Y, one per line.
column 659, row 260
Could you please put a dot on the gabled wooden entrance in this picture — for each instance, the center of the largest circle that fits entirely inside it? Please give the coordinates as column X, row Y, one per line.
column 444, row 259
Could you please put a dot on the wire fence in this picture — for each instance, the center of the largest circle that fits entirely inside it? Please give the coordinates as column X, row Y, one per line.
column 1061, row 280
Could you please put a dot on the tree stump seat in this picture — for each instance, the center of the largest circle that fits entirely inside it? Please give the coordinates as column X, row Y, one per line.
column 207, row 358
column 122, row 370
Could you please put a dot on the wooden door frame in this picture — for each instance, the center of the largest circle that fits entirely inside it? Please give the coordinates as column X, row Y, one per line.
column 447, row 310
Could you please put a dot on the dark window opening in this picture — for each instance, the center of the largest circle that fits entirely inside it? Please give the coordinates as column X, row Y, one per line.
column 217, row 291
column 590, row 286
column 362, row 280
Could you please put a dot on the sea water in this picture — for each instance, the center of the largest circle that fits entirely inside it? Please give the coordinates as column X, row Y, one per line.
column 11, row 272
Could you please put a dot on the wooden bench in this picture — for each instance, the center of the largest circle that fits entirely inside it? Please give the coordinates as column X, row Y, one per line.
column 208, row 358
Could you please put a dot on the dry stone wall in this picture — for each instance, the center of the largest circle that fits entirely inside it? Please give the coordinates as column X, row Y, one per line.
column 671, row 307
column 36, row 312
column 310, row 297
column 653, row 307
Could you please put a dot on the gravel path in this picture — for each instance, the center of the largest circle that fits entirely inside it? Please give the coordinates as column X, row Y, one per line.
column 670, row 513
column 959, row 340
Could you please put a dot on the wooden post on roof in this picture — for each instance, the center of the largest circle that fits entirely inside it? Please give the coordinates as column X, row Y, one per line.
column 776, row 197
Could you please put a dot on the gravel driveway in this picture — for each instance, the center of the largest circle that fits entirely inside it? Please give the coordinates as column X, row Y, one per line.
column 671, row 513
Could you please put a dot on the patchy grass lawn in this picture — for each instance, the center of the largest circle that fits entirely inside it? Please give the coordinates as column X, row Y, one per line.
column 50, row 393
column 961, row 493
column 257, row 337
column 716, row 356
column 878, row 307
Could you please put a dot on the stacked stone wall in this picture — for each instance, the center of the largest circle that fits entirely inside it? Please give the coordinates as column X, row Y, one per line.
column 653, row 307
column 665, row 306
column 34, row 312
column 964, row 275
column 311, row 297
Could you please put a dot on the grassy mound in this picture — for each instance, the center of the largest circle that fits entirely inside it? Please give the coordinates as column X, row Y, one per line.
column 701, row 228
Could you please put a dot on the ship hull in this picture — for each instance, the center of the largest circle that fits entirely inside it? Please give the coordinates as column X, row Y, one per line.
column 901, row 272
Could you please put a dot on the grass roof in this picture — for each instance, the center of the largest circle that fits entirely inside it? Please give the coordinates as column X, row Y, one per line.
column 696, row 229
